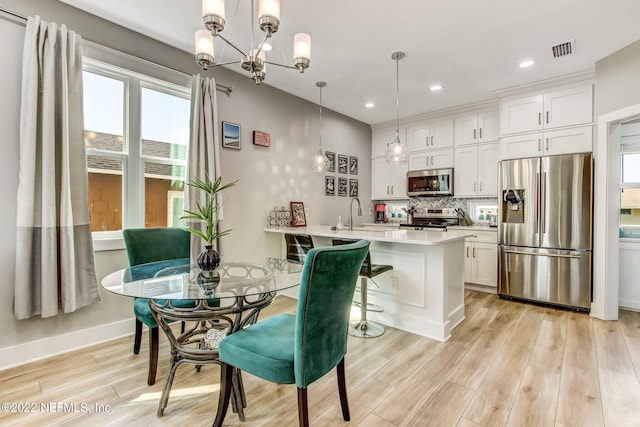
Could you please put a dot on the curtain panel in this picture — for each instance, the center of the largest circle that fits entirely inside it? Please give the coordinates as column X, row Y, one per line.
column 204, row 151
column 55, row 266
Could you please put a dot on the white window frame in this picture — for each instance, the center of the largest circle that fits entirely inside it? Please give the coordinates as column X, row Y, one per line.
column 136, row 74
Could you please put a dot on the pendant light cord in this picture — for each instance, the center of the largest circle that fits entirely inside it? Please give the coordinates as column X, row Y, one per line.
column 321, row 118
column 398, row 99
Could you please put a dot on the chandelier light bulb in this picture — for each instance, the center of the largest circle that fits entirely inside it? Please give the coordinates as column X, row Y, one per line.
column 204, row 48
column 213, row 7
column 269, row 8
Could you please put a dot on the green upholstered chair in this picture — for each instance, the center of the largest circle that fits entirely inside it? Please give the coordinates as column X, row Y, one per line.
column 301, row 348
column 146, row 245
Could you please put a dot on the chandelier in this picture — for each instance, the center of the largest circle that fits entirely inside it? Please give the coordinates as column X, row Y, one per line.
column 319, row 161
column 396, row 151
column 253, row 61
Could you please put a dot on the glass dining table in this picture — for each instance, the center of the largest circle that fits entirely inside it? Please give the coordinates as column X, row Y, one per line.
column 210, row 307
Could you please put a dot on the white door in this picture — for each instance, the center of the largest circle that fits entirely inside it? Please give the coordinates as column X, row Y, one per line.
column 467, row 261
column 484, row 262
column 466, row 171
column 520, row 146
column 488, row 126
column 380, row 185
column 567, row 141
column 438, row 159
column 521, row 114
column 398, row 182
column 566, row 107
column 418, row 137
column 380, row 140
column 441, row 133
column 419, row 161
column 466, row 131
column 488, row 157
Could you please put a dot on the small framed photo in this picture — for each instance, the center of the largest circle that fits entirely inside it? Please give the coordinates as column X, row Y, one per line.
column 329, row 186
column 230, row 135
column 353, row 165
column 342, row 187
column 262, row 139
column 298, row 219
column 331, row 165
column 353, row 188
column 343, row 163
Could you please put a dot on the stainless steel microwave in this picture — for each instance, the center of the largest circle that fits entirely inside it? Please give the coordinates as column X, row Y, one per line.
column 430, row 183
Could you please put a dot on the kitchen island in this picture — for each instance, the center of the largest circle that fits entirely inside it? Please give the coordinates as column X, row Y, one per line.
column 424, row 293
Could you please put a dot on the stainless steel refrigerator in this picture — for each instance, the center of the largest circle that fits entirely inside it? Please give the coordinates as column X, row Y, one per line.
column 545, row 229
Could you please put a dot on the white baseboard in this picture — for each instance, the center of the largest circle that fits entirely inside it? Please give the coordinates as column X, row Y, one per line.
column 51, row 346
column 629, row 304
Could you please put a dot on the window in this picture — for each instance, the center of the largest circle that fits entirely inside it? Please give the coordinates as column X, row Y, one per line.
column 137, row 135
column 630, row 180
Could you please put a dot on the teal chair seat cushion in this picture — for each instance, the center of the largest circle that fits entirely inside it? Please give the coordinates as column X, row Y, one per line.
column 264, row 349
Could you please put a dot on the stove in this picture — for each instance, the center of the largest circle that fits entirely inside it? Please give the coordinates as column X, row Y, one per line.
column 432, row 219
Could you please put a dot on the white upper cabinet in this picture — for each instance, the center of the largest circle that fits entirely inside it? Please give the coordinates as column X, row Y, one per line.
column 433, row 159
column 567, row 106
column 380, row 140
column 388, row 181
column 477, row 127
column 431, row 135
column 476, row 170
column 561, row 141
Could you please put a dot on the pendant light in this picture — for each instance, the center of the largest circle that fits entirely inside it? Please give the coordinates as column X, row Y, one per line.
column 397, row 152
column 319, row 162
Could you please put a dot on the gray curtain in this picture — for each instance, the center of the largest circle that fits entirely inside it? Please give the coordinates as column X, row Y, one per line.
column 54, row 252
column 204, row 151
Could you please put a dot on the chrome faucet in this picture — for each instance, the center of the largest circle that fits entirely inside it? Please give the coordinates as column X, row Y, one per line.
column 351, row 212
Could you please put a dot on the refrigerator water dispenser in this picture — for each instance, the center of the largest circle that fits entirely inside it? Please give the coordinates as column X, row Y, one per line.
column 513, row 205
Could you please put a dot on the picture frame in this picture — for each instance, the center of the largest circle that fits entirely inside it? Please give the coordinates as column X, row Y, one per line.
column 230, row 135
column 353, row 188
column 343, row 164
column 353, row 165
column 331, row 164
column 342, row 187
column 329, row 186
column 298, row 218
column 263, row 139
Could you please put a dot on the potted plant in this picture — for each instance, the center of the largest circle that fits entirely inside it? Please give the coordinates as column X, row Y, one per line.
column 207, row 212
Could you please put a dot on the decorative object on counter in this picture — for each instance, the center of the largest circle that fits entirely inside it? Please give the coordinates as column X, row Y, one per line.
column 329, row 186
column 331, row 161
column 353, row 188
column 463, row 217
column 254, row 61
column 262, row 139
column 397, row 152
column 230, row 135
column 343, row 164
column 410, row 212
column 320, row 161
column 279, row 217
column 353, row 165
column 340, row 224
column 298, row 218
column 342, row 187
column 207, row 212
column 381, row 212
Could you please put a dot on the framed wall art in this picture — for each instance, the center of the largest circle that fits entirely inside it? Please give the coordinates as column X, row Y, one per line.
column 343, row 163
column 230, row 135
column 262, row 139
column 331, row 164
column 298, row 218
column 329, row 186
column 353, row 165
column 353, row 188
column 342, row 187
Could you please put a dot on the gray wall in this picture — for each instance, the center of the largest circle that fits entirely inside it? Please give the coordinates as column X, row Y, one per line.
column 268, row 177
column 617, row 80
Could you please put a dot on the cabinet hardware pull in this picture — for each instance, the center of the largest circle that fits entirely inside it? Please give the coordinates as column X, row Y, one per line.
column 387, row 189
column 539, row 118
column 480, row 189
column 474, row 185
column 426, row 140
column 467, row 251
column 392, row 189
column 474, row 134
column 539, row 141
column 474, row 252
column 431, row 160
column 547, row 117
column 480, row 133
column 547, row 148
column 431, row 139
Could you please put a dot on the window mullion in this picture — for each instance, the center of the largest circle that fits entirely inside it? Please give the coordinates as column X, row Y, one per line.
column 134, row 190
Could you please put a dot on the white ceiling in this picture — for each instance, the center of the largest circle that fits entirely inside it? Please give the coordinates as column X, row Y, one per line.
column 471, row 47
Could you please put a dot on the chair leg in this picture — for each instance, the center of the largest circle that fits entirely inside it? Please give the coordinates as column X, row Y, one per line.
column 226, row 379
column 342, row 390
column 303, row 408
column 137, row 339
column 182, row 326
column 154, row 338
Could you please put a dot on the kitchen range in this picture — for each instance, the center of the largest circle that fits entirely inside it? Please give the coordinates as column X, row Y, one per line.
column 433, row 219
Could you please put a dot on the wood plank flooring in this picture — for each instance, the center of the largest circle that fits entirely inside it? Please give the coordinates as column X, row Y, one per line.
column 507, row 364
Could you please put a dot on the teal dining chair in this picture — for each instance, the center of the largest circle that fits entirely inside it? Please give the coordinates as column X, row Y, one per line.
column 299, row 349
column 146, row 245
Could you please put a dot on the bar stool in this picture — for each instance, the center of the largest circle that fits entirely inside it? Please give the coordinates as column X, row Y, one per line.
column 297, row 247
column 364, row 328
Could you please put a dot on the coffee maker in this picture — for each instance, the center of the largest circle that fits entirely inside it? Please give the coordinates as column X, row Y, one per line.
column 381, row 212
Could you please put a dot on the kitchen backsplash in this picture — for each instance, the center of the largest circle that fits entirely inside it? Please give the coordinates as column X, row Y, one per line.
column 396, row 214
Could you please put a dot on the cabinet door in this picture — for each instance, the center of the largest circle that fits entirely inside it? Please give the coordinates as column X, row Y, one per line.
column 380, row 186
column 567, row 107
column 465, row 171
column 484, row 264
column 488, row 126
column 567, row 141
column 521, row 114
column 515, row 147
column 441, row 133
column 488, row 156
column 466, row 129
column 418, row 137
column 398, row 182
column 467, row 261
column 380, row 140
column 418, row 161
column 439, row 159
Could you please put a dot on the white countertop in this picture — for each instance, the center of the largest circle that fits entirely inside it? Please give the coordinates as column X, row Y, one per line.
column 450, row 227
column 380, row 234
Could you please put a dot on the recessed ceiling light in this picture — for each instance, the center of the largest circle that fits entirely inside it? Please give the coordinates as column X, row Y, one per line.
column 435, row 88
column 527, row 63
column 369, row 105
column 267, row 47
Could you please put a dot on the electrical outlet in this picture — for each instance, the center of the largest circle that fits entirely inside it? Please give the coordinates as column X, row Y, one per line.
column 370, row 211
column 394, row 283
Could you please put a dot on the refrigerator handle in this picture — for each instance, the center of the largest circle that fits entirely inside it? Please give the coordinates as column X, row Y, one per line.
column 537, row 202
column 543, row 204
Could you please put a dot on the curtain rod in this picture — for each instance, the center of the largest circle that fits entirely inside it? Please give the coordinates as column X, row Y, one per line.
column 222, row 88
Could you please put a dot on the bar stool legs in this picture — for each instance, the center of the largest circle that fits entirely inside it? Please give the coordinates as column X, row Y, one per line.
column 364, row 328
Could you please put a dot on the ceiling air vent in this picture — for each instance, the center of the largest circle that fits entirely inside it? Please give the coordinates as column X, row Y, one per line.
column 564, row 49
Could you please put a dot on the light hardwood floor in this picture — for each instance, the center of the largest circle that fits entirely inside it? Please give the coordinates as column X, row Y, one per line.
column 508, row 364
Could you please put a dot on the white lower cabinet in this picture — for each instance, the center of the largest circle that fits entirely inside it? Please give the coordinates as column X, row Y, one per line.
column 388, row 181
column 481, row 260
